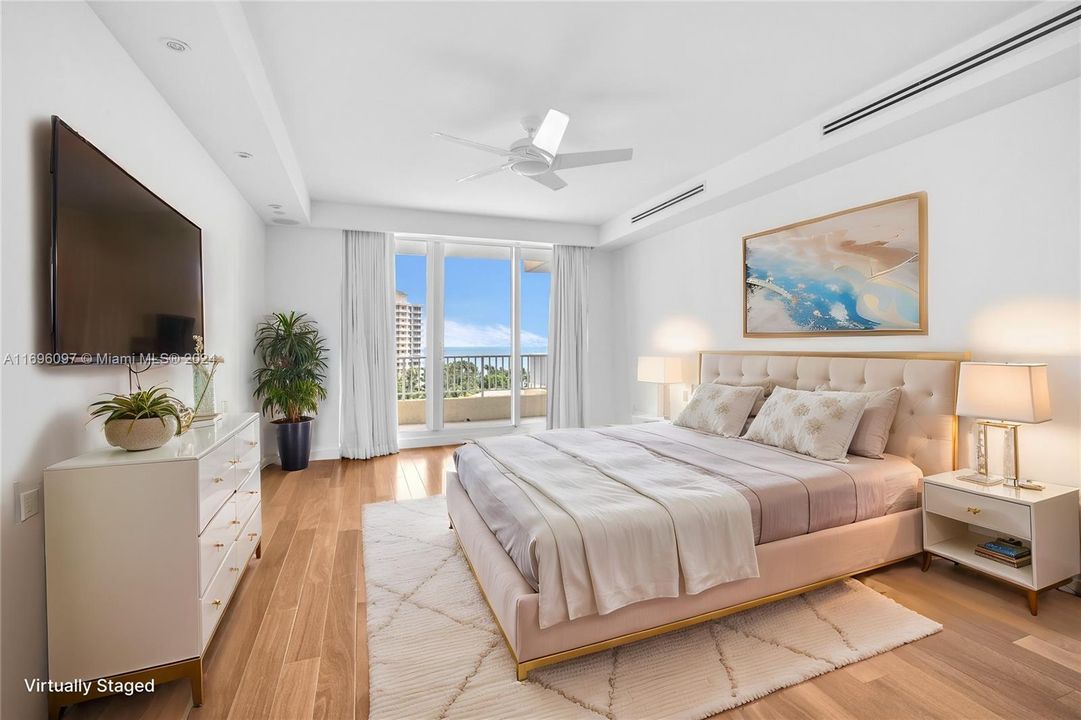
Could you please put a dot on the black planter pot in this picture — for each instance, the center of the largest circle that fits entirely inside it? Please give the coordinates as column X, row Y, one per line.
column 294, row 443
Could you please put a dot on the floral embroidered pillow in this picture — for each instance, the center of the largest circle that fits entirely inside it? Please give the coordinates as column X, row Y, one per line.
column 819, row 424
column 719, row 409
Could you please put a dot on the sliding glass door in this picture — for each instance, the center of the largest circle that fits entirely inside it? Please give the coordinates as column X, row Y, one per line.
column 473, row 344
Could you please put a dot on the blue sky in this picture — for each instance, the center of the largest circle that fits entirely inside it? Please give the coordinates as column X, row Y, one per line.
column 477, row 301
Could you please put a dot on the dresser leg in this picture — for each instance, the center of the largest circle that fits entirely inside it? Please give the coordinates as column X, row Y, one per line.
column 259, row 549
column 1033, row 602
column 55, row 708
column 926, row 561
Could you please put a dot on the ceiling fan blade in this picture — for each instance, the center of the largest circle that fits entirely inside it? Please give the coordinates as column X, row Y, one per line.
column 549, row 180
column 550, row 132
column 489, row 171
column 596, row 157
column 472, row 144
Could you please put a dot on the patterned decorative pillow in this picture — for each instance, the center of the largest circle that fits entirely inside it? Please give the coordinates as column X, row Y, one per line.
column 819, row 424
column 719, row 409
column 873, row 432
column 766, row 385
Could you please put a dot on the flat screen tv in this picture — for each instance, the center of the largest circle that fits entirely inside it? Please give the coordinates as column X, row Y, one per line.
column 127, row 275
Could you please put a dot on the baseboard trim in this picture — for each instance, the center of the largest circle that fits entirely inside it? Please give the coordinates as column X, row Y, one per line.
column 317, row 454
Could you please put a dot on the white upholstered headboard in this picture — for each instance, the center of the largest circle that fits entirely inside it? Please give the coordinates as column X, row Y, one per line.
column 925, row 428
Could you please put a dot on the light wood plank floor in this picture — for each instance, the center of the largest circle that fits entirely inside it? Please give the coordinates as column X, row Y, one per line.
column 292, row 644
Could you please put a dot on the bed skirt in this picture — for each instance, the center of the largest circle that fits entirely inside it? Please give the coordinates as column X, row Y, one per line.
column 787, row 567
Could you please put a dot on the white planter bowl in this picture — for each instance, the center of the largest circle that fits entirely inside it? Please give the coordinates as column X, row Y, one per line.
column 141, row 434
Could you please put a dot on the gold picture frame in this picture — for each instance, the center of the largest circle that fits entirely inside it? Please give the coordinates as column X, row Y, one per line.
column 871, row 257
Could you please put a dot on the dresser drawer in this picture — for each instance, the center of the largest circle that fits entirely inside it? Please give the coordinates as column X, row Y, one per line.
column 247, row 441
column 215, row 542
column 994, row 513
column 217, row 481
column 250, row 535
column 248, row 497
column 216, row 598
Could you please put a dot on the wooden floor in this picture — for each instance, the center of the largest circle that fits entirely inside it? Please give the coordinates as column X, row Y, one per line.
column 292, row 644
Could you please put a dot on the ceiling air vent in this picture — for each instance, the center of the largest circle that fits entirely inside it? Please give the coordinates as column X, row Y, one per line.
column 970, row 63
column 669, row 202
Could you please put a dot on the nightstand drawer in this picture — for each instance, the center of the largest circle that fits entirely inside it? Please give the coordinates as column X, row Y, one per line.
column 993, row 513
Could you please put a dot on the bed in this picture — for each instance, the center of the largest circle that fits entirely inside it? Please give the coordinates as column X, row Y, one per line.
column 814, row 522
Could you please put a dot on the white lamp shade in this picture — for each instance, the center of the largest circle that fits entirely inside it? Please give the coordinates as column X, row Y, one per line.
column 664, row 370
column 1015, row 392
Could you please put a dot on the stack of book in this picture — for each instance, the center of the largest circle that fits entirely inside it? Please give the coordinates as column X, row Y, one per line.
column 1007, row 552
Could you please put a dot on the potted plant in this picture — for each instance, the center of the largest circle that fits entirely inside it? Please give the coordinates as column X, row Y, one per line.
column 143, row 420
column 291, row 381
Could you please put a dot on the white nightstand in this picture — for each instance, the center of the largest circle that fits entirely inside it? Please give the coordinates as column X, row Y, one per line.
column 959, row 515
column 636, row 419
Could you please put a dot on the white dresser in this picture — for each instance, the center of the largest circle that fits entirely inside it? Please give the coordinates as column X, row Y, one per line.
column 143, row 551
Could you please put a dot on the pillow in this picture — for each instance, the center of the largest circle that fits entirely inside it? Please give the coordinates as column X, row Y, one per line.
column 819, row 424
column 766, row 385
column 719, row 409
column 873, row 432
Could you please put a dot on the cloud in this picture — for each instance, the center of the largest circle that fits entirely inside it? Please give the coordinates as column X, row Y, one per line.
column 465, row 335
column 839, row 312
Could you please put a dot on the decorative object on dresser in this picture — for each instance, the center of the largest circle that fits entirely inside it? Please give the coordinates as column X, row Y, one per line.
column 1026, row 538
column 663, row 371
column 143, row 552
column 291, row 381
column 143, row 420
column 861, row 271
column 203, row 368
column 1002, row 395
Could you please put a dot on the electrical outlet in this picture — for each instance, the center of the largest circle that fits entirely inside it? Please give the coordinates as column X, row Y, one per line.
column 28, row 503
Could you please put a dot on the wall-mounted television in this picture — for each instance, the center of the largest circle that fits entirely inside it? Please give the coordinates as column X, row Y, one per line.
column 127, row 269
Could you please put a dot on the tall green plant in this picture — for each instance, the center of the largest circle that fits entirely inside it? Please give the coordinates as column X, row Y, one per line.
column 292, row 379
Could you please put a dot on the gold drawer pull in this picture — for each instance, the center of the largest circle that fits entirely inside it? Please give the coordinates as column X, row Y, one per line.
column 234, row 569
column 219, row 545
column 253, row 492
column 234, row 522
column 252, row 536
column 253, row 443
column 234, row 461
column 216, row 603
column 973, row 510
column 218, row 480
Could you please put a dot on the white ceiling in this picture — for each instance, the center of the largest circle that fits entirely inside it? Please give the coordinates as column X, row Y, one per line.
column 361, row 86
column 337, row 100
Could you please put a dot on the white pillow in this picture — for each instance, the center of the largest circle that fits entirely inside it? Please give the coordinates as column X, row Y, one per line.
column 873, row 432
column 719, row 409
column 766, row 385
column 819, row 424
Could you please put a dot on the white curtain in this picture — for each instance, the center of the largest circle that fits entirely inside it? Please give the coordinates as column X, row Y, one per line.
column 567, row 337
column 369, row 374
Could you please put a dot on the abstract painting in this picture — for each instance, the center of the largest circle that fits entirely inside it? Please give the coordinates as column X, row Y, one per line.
column 856, row 272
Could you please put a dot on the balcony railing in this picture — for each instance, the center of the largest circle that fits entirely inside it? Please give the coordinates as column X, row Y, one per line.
column 471, row 375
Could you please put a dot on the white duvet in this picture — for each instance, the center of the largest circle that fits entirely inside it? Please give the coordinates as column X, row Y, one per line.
column 626, row 526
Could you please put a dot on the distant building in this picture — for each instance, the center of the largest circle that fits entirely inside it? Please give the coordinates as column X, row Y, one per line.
column 407, row 329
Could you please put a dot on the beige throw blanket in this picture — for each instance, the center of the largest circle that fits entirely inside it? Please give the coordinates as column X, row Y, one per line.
column 626, row 525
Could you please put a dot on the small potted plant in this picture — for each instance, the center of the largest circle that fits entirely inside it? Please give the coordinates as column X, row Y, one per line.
column 291, row 381
column 143, row 420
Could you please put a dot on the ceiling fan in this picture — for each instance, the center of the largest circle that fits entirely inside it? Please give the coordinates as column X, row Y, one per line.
column 536, row 156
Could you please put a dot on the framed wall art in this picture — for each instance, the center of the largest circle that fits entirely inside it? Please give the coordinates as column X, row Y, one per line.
column 861, row 271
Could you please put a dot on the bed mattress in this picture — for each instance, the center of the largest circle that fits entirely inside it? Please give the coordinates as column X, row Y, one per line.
column 788, row 494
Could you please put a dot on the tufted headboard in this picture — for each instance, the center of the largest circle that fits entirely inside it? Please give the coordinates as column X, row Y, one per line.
column 925, row 428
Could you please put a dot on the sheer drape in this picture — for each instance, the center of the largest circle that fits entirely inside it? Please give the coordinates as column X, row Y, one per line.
column 369, row 374
column 567, row 337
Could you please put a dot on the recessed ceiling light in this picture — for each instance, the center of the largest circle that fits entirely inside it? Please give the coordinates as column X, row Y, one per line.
column 274, row 206
column 243, row 155
column 286, row 221
column 175, row 45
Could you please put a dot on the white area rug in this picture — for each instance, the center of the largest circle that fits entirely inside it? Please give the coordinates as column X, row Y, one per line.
column 436, row 652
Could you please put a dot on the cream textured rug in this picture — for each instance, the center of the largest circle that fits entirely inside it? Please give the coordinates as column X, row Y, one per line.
column 436, row 652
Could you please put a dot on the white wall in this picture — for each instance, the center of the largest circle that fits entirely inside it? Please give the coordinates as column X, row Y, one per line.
column 1004, row 261
column 304, row 274
column 59, row 59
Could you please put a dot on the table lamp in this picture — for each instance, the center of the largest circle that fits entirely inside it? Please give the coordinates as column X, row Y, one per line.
column 664, row 371
column 1002, row 395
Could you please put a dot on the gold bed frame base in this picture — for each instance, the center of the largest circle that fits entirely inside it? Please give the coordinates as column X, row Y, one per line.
column 523, row 668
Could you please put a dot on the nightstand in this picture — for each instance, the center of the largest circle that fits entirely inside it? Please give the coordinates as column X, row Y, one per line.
column 959, row 515
column 636, row 419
